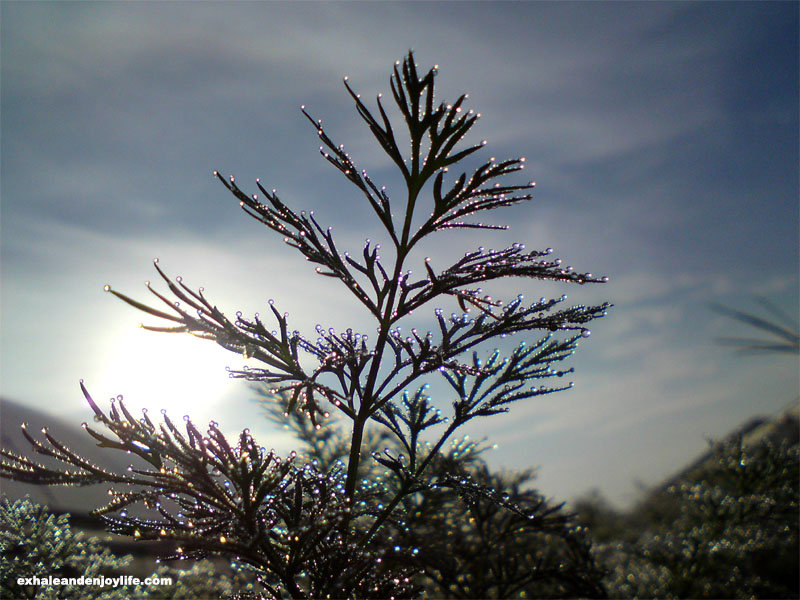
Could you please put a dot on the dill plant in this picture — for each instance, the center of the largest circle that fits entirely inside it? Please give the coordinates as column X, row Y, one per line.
column 435, row 520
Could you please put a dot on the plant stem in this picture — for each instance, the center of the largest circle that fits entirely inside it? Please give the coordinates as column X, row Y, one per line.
column 386, row 323
column 355, row 455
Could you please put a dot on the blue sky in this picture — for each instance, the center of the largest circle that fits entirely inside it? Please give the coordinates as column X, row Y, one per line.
column 663, row 138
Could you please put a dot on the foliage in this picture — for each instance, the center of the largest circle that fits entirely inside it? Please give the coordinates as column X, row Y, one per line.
column 200, row 581
column 327, row 528
column 785, row 336
column 500, row 541
column 36, row 543
column 729, row 529
column 483, row 535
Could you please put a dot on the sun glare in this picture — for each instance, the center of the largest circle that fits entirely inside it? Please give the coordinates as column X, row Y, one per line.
column 158, row 370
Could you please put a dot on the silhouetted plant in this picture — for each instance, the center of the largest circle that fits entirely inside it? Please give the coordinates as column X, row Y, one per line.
column 321, row 529
column 782, row 328
column 489, row 539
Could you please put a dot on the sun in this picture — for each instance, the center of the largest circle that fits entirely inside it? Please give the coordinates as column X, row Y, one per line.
column 176, row 372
